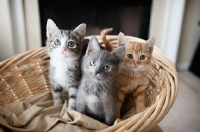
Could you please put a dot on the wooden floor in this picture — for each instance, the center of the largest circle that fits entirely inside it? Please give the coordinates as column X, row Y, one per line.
column 184, row 116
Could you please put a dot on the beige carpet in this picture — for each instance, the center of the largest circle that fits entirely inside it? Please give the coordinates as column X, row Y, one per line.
column 184, row 115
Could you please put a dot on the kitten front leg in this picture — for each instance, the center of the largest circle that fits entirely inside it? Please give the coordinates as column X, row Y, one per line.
column 110, row 118
column 140, row 100
column 72, row 93
column 120, row 96
column 81, row 105
column 57, row 94
column 110, row 113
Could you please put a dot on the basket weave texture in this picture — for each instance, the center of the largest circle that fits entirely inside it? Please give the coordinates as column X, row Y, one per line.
column 26, row 74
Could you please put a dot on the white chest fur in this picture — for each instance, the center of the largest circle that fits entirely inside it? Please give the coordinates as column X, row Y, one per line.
column 92, row 99
column 94, row 103
column 60, row 73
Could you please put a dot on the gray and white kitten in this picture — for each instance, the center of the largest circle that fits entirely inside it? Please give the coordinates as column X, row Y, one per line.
column 65, row 50
column 97, row 95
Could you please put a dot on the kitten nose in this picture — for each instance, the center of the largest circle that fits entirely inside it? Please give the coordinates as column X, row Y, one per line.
column 96, row 72
column 136, row 64
column 63, row 50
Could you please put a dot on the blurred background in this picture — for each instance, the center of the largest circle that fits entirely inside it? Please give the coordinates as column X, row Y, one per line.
column 174, row 23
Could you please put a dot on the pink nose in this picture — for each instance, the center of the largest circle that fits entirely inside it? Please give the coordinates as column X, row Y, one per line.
column 63, row 50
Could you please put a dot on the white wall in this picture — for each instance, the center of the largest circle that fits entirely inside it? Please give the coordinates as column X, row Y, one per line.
column 6, row 39
column 19, row 27
column 165, row 25
column 32, row 20
column 158, row 11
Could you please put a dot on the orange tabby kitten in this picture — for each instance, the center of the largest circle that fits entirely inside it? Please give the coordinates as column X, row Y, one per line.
column 133, row 74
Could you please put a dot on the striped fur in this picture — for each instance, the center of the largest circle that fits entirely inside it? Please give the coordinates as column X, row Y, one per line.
column 103, row 34
column 65, row 50
column 133, row 74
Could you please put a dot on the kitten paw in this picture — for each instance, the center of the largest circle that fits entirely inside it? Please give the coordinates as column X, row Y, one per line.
column 71, row 108
column 57, row 102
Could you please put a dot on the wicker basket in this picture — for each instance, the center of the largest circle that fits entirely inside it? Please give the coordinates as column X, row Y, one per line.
column 23, row 74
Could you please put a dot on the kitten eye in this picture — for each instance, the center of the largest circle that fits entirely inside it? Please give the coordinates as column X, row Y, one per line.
column 92, row 63
column 71, row 44
column 57, row 42
column 107, row 68
column 130, row 56
column 142, row 57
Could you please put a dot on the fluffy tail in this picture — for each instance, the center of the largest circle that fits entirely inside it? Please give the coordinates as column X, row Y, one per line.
column 103, row 33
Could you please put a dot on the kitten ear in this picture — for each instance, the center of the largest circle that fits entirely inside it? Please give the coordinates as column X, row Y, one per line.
column 118, row 54
column 51, row 28
column 150, row 43
column 122, row 40
column 93, row 46
column 80, row 30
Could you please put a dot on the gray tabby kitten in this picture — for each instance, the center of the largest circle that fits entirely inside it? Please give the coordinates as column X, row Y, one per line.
column 65, row 50
column 97, row 95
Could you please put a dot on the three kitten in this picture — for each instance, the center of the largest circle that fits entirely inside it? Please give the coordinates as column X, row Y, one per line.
column 94, row 93
column 97, row 95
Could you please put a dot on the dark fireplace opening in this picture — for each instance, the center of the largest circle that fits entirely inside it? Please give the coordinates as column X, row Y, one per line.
column 131, row 18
